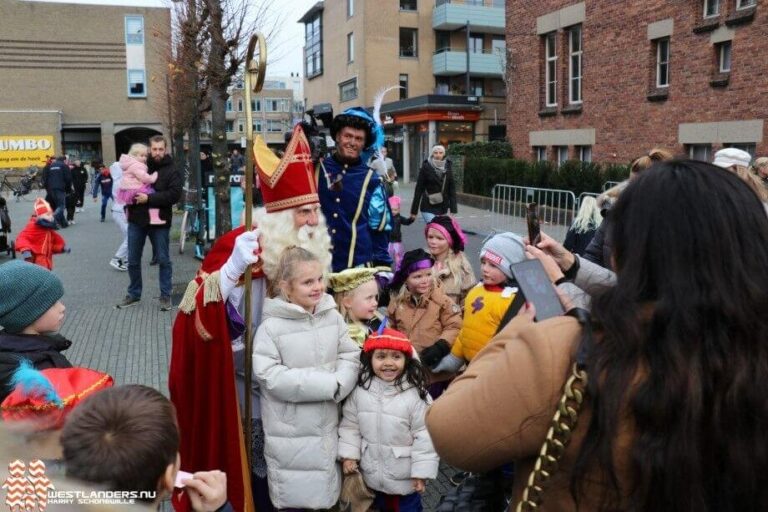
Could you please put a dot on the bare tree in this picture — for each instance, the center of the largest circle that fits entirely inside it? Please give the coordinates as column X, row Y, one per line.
column 230, row 26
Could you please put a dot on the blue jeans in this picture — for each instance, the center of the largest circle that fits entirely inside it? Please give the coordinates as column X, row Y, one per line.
column 393, row 503
column 59, row 198
column 104, row 201
column 427, row 217
column 159, row 237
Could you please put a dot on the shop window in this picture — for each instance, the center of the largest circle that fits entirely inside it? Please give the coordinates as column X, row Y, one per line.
column 409, row 42
column 136, row 83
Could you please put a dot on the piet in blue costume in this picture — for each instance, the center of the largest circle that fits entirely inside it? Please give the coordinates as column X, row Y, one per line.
column 353, row 198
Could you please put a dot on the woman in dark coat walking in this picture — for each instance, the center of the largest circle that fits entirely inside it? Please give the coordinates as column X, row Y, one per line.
column 435, row 192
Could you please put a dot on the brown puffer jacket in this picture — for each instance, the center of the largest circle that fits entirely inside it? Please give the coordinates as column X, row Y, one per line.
column 434, row 317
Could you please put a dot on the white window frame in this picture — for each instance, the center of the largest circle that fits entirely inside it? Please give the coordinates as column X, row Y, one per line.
column 229, row 126
column 257, row 126
column 695, row 148
column 665, row 41
column 550, row 69
column 274, row 126
column 722, row 49
column 229, row 105
column 562, row 155
column 240, row 127
column 351, row 47
column 710, row 3
column 134, row 72
column 541, row 153
column 585, row 154
column 575, row 72
column 137, row 37
column 745, row 4
column 352, row 96
column 239, row 105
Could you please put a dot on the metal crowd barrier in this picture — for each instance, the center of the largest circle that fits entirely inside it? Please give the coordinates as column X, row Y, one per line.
column 609, row 184
column 557, row 209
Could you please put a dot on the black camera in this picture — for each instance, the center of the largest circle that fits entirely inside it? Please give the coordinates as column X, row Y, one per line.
column 320, row 114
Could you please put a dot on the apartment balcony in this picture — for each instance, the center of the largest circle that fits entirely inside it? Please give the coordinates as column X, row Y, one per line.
column 447, row 62
column 483, row 15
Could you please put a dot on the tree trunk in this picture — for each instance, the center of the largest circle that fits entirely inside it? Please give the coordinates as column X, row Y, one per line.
column 218, row 95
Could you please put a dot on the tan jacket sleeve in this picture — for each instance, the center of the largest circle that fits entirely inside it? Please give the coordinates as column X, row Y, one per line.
column 451, row 320
column 499, row 410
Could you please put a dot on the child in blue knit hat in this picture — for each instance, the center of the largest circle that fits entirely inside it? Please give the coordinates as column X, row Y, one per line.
column 31, row 314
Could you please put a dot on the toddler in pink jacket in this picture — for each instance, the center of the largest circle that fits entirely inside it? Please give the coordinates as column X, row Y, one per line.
column 137, row 180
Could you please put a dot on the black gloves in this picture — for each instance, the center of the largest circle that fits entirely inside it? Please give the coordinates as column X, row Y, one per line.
column 430, row 356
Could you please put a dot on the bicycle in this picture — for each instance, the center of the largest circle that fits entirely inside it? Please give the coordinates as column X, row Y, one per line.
column 193, row 224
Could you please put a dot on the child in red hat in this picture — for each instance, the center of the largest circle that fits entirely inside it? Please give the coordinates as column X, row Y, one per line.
column 39, row 241
column 382, row 433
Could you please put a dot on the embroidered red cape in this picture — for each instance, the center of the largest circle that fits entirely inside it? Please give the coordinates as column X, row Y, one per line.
column 202, row 385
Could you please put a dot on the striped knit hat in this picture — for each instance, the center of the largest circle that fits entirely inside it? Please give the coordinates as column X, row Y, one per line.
column 33, row 291
column 389, row 339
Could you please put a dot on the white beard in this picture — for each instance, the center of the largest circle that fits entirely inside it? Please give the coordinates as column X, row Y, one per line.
column 278, row 233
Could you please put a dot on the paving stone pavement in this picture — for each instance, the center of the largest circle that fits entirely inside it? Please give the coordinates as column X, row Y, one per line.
column 133, row 345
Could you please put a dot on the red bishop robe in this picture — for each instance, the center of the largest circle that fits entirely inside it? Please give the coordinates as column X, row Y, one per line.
column 202, row 382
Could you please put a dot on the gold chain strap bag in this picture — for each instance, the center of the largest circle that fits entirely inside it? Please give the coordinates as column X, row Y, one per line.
column 563, row 423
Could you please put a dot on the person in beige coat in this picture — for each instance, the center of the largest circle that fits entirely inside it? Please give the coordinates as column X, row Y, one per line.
column 675, row 371
column 422, row 311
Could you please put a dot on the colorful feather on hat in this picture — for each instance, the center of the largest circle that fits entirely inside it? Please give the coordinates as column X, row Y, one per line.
column 34, row 383
column 378, row 129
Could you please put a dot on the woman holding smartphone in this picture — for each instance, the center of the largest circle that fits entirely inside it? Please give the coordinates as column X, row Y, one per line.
column 666, row 384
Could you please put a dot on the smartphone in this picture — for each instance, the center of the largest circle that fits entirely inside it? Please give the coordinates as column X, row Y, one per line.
column 534, row 282
column 532, row 217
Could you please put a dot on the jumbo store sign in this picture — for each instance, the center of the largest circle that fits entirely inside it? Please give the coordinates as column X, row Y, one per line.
column 24, row 150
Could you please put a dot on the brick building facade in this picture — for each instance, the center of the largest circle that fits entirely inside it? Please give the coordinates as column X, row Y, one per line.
column 605, row 81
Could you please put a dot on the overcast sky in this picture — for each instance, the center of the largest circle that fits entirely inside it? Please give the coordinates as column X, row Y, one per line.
column 287, row 45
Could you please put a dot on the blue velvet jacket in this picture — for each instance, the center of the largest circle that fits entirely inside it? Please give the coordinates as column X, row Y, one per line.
column 354, row 203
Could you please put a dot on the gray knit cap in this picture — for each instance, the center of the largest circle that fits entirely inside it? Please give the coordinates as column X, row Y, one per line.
column 504, row 250
column 28, row 291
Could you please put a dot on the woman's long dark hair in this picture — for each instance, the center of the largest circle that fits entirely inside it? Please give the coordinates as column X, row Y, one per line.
column 414, row 374
column 681, row 352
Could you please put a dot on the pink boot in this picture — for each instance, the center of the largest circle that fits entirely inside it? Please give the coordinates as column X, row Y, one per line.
column 154, row 217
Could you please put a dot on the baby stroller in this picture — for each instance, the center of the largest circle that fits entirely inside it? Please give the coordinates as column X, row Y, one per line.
column 26, row 182
column 5, row 228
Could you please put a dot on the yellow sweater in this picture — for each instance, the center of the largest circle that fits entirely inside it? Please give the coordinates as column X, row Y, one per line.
column 484, row 308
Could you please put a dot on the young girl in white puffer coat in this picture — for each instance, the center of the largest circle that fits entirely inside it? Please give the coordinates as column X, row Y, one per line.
column 305, row 364
column 382, row 432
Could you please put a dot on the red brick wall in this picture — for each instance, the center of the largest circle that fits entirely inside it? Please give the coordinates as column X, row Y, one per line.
column 619, row 73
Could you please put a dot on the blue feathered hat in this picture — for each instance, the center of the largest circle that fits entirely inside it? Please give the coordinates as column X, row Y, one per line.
column 359, row 118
